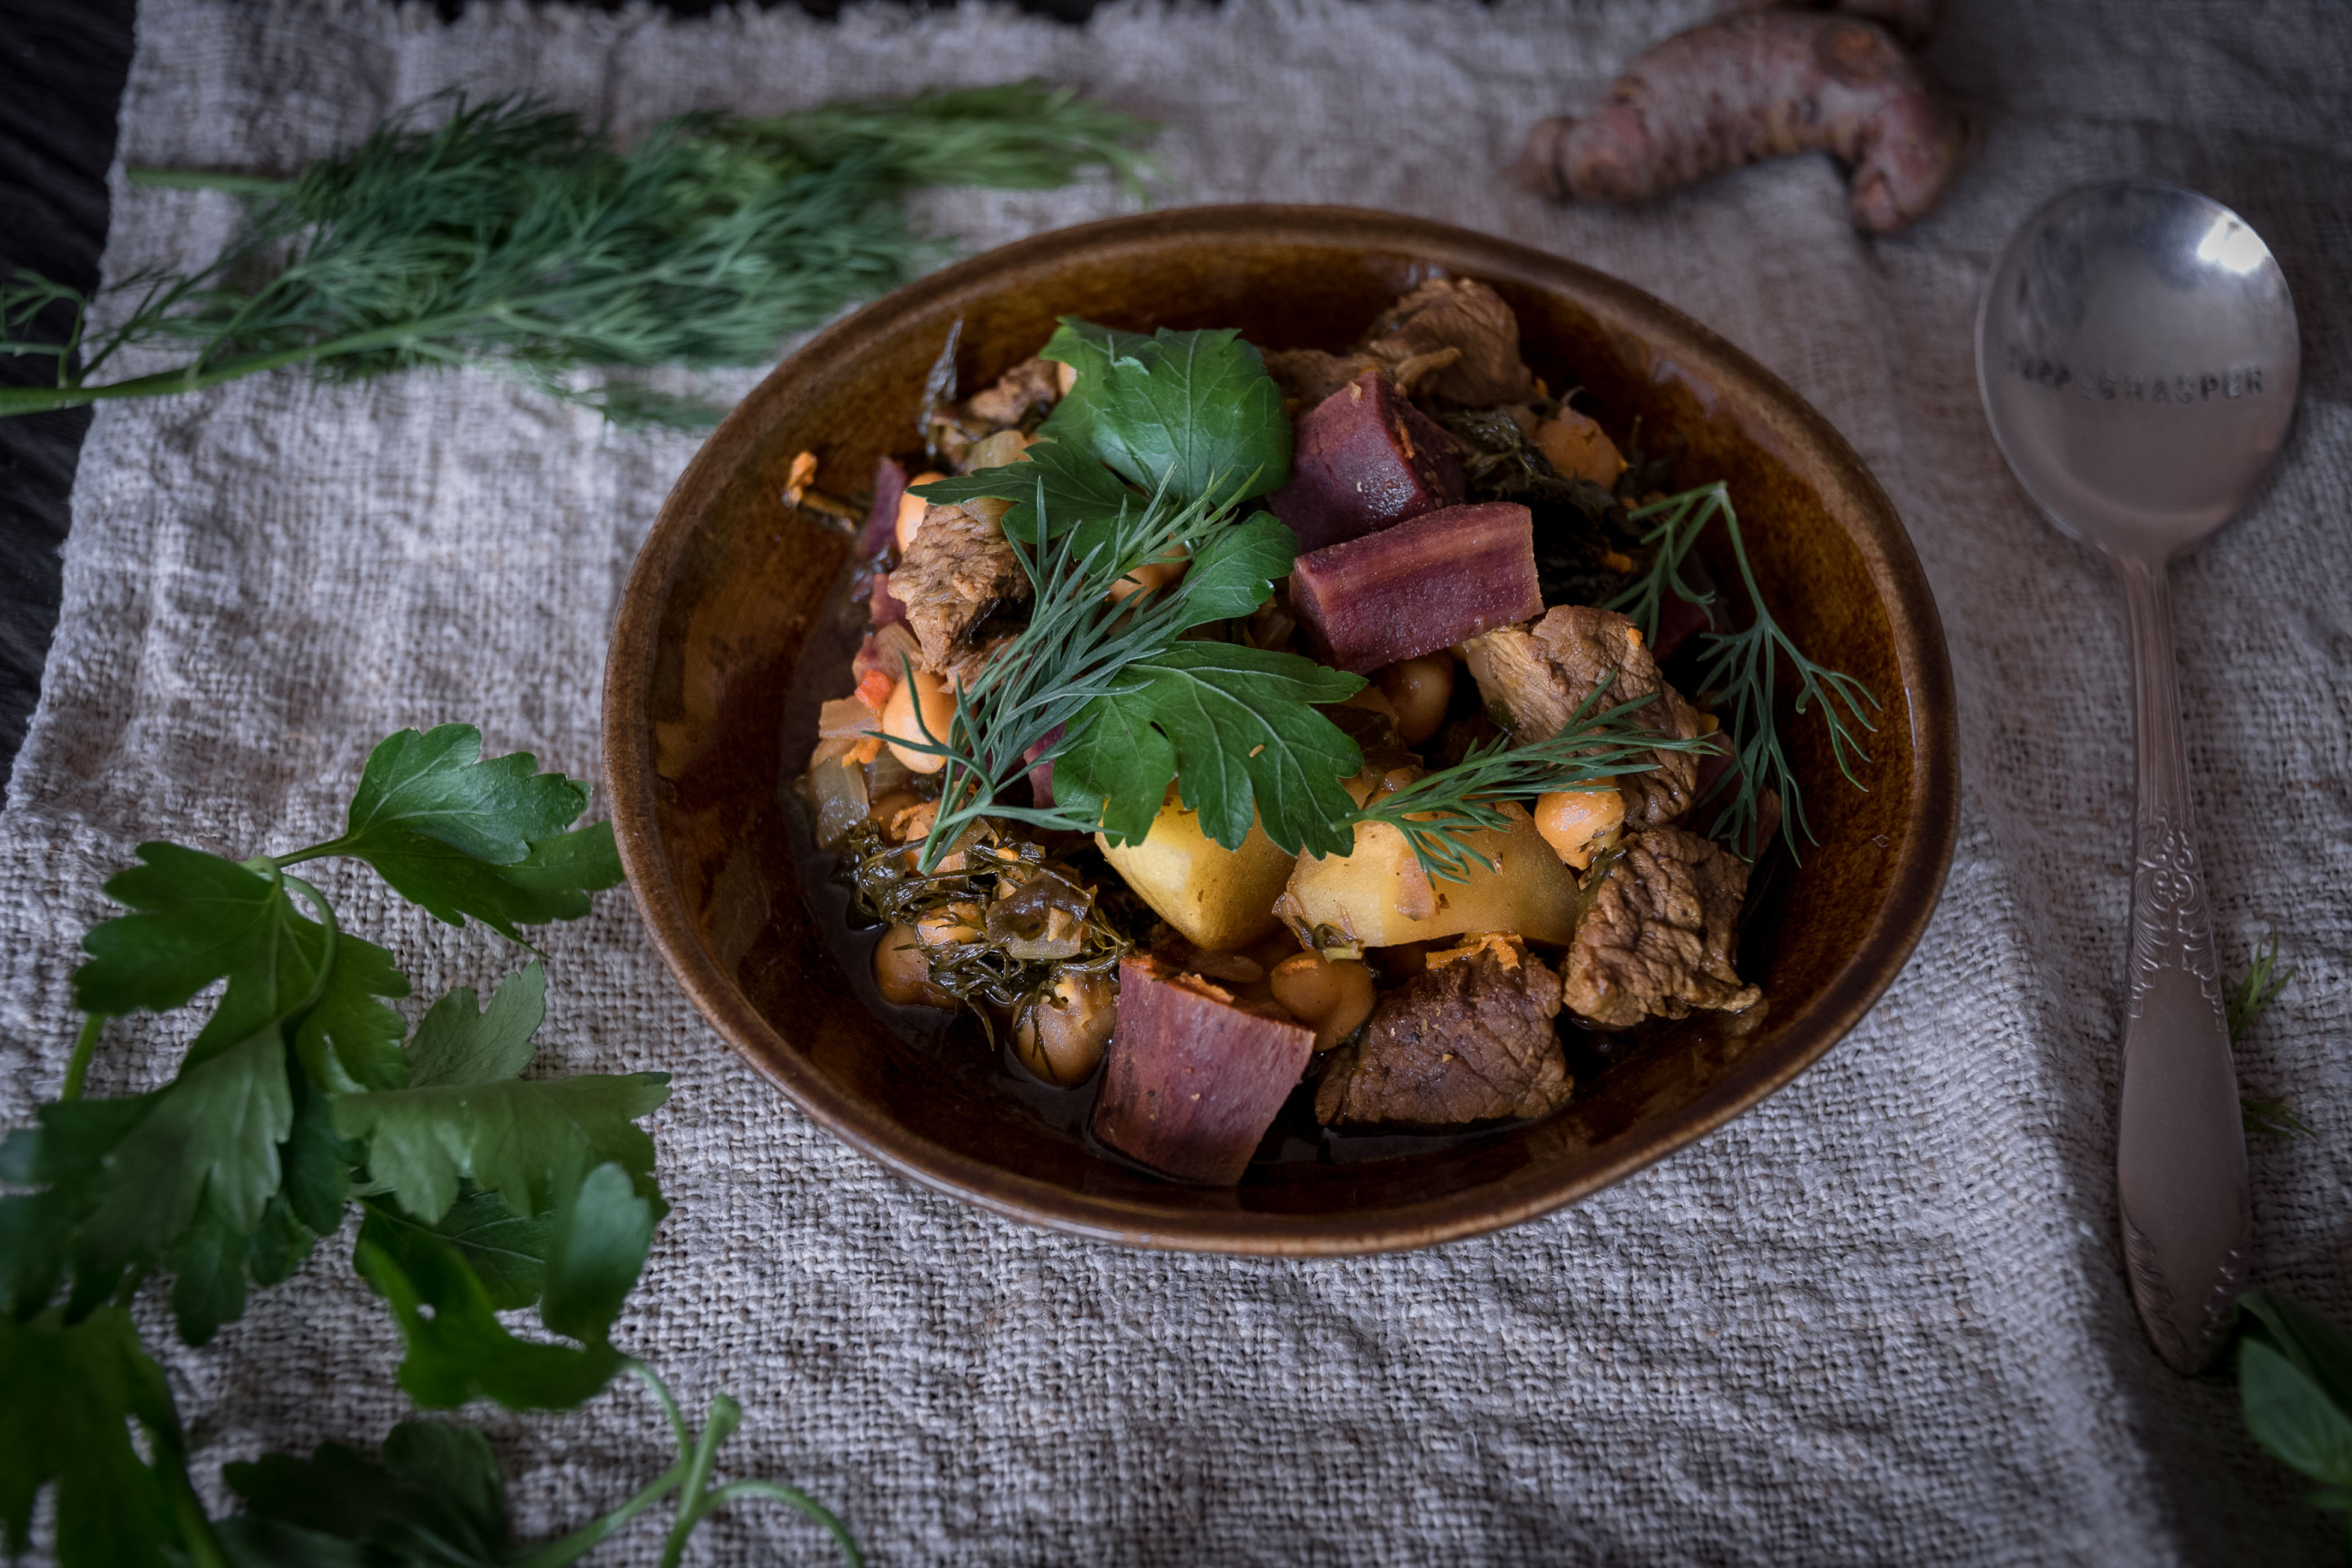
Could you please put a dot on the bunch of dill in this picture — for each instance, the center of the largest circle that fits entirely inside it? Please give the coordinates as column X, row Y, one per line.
column 512, row 235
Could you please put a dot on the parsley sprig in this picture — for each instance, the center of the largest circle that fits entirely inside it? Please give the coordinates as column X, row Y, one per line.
column 1742, row 671
column 517, row 237
column 1147, row 461
column 481, row 1191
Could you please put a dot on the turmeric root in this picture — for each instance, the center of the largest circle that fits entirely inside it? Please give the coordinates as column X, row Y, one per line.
column 1909, row 20
column 1752, row 86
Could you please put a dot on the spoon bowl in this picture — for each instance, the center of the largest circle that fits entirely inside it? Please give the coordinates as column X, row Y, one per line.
column 2137, row 353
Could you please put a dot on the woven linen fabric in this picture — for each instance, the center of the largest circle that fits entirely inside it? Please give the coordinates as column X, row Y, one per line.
column 1881, row 1317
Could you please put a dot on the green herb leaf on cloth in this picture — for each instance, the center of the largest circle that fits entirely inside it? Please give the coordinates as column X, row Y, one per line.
column 597, row 1249
column 457, row 1348
column 466, row 1117
column 69, row 1396
column 507, row 1252
column 435, row 1501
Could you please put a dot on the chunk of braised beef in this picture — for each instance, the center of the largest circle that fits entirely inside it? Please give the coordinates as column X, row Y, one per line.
column 1466, row 324
column 1539, row 675
column 1195, row 1078
column 1417, row 588
column 1659, row 937
column 1365, row 459
column 1469, row 1038
column 1031, row 387
column 961, row 584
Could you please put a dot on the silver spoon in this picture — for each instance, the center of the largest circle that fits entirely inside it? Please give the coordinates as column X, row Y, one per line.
column 2137, row 354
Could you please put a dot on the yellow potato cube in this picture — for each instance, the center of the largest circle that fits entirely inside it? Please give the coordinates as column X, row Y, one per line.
column 1219, row 898
column 1379, row 897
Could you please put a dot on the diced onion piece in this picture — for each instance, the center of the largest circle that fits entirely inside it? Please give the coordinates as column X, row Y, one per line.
column 837, row 792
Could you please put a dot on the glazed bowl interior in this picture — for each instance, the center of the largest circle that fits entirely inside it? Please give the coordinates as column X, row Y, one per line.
column 732, row 631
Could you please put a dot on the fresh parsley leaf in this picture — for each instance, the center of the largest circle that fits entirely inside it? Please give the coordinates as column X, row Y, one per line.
column 350, row 1040
column 1242, row 738
column 550, row 883
column 208, row 1261
column 507, row 1252
column 464, row 1116
column 1234, row 572
column 2291, row 1414
column 2316, row 1346
column 1193, row 411
column 456, row 1044
column 434, row 1501
column 212, row 1136
column 462, row 837
column 201, row 919
column 457, row 1350
column 1076, row 486
column 231, row 1169
column 436, row 784
column 63, row 1155
column 602, row 1231
column 68, row 1397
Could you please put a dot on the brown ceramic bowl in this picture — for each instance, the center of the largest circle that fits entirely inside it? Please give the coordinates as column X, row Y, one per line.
column 730, row 633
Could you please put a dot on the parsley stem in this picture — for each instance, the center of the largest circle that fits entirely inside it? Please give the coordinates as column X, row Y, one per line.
column 576, row 1545
column 799, row 1499
column 725, row 1414
column 678, row 1426
column 85, row 1046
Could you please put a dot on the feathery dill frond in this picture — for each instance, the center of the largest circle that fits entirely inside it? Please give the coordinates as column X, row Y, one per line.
column 511, row 235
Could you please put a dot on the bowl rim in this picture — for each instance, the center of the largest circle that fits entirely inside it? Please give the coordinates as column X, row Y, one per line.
column 1890, row 561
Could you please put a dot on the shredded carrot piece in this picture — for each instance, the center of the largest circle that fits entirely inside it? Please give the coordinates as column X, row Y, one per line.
column 874, row 689
column 865, row 751
column 802, row 477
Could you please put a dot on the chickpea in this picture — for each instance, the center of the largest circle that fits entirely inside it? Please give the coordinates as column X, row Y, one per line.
column 911, row 508
column 1580, row 823
column 1419, row 689
column 1061, row 1036
column 1065, row 376
column 902, row 971
column 937, row 708
column 1332, row 998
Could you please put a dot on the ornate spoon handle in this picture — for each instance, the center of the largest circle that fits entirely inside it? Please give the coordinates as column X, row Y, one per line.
column 2181, row 1153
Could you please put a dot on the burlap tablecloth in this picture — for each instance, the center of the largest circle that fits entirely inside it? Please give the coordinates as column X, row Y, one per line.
column 1880, row 1319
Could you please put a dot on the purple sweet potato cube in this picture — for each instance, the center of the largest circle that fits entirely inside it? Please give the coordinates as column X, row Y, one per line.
column 1193, row 1079
column 1365, row 459
column 1420, row 586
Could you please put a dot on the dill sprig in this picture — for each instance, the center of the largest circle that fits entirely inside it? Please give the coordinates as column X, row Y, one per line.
column 1078, row 642
column 1741, row 671
column 2247, row 1002
column 1437, row 811
column 2256, row 989
column 512, row 235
